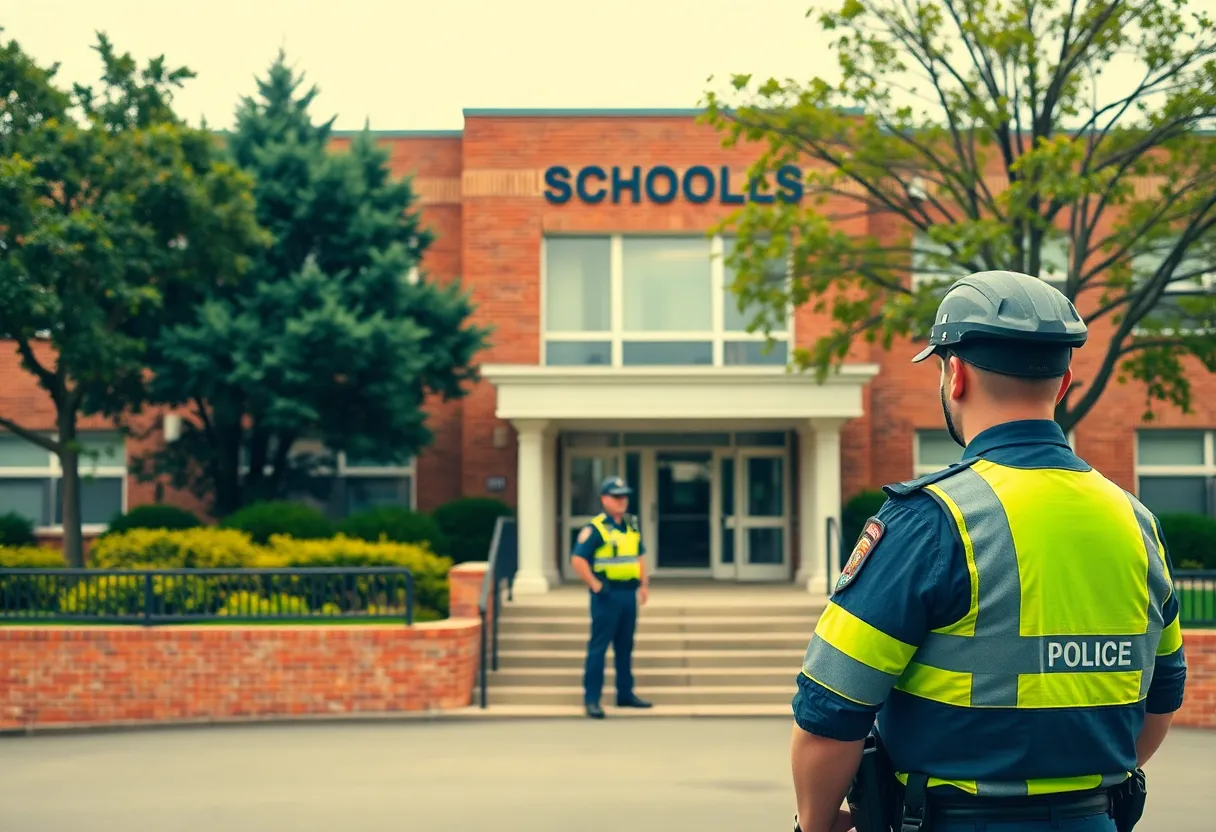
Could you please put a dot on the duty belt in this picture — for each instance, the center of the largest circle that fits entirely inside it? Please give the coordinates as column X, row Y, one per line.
column 1047, row 807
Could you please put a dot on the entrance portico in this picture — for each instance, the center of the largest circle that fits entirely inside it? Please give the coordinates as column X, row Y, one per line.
column 714, row 453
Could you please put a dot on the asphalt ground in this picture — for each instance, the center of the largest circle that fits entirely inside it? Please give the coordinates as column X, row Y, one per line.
column 615, row 775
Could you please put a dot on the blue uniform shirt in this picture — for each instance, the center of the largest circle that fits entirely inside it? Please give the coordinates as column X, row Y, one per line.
column 917, row 580
column 586, row 549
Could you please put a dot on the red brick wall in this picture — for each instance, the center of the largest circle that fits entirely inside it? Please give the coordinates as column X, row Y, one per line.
column 1199, row 705
column 99, row 675
column 477, row 195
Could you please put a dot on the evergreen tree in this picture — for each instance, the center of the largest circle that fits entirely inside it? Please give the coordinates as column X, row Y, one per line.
column 327, row 339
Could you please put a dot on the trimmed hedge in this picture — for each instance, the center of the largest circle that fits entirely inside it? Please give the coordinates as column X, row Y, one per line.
column 153, row 516
column 468, row 523
column 1190, row 539
column 212, row 548
column 261, row 520
column 16, row 530
column 396, row 524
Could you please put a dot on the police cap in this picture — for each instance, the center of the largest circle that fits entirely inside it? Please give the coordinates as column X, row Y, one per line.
column 615, row 487
column 1008, row 323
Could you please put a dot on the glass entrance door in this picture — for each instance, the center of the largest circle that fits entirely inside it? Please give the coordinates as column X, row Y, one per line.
column 761, row 516
column 684, row 511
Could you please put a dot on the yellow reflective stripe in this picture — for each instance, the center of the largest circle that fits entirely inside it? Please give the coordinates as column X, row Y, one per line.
column 946, row 686
column 1171, row 638
column 965, row 626
column 1081, row 572
column 1079, row 690
column 1046, row 785
column 862, row 642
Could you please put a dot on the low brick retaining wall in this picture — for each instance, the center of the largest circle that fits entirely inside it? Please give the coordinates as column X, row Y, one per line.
column 1199, row 705
column 53, row 676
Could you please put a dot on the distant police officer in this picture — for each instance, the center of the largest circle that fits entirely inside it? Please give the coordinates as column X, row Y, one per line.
column 1010, row 620
column 608, row 557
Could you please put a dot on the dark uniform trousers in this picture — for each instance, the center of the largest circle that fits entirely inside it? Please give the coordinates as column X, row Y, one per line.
column 614, row 616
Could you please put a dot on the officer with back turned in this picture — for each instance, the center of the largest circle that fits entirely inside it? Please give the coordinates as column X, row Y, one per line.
column 1010, row 620
column 608, row 557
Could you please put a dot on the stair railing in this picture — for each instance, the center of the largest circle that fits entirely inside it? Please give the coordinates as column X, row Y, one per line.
column 502, row 562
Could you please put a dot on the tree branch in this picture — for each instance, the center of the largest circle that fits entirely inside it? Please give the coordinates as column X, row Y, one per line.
column 29, row 436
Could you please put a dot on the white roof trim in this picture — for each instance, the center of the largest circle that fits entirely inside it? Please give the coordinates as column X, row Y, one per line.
column 529, row 391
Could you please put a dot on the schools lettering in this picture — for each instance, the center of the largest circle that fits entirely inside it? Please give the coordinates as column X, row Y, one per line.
column 1093, row 653
column 661, row 184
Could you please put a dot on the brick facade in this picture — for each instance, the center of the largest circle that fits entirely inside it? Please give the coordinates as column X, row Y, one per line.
column 481, row 191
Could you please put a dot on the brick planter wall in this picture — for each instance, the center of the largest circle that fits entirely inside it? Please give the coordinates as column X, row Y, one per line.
column 56, row 676
column 1199, row 705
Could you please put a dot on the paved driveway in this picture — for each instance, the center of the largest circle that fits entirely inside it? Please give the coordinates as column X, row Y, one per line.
column 624, row 775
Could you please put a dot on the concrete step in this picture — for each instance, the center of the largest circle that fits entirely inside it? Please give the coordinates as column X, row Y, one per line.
column 647, row 642
column 655, row 623
column 573, row 659
column 771, row 695
column 651, row 678
column 716, row 609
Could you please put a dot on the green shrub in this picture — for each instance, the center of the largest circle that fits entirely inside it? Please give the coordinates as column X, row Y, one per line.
column 29, row 592
column 469, row 525
column 395, row 524
column 249, row 603
column 430, row 571
column 1191, row 540
column 201, row 548
column 153, row 516
column 262, row 520
column 853, row 517
column 16, row 530
column 31, row 557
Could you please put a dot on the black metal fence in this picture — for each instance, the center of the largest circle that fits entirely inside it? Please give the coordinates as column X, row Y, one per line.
column 1196, row 591
column 502, row 563
column 165, row 596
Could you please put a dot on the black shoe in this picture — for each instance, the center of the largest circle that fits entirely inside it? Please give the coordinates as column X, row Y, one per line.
column 632, row 702
column 594, row 710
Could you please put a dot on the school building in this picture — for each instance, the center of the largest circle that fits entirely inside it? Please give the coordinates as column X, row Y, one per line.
column 582, row 236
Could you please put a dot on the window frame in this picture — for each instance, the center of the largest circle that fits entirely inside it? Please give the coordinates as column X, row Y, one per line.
column 617, row 336
column 87, row 468
column 343, row 470
column 1205, row 471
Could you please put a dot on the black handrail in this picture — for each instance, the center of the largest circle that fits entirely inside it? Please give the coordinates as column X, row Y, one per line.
column 832, row 524
column 501, row 565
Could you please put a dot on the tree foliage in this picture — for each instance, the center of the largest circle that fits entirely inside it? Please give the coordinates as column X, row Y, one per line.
column 980, row 134
column 328, row 341
column 114, row 217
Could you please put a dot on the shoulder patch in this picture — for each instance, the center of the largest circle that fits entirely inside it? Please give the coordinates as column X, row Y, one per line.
column 584, row 534
column 871, row 533
column 902, row 489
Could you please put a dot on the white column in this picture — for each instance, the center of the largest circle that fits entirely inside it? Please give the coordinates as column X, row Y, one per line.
column 552, row 571
column 530, row 500
column 819, row 499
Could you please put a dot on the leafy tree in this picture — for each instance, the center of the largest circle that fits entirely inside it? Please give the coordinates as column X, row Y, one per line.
column 328, row 340
column 114, row 215
column 983, row 134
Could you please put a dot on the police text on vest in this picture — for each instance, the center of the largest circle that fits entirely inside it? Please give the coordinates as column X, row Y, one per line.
column 1089, row 653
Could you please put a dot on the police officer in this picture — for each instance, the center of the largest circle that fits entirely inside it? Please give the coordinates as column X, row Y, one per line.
column 1010, row 620
column 608, row 557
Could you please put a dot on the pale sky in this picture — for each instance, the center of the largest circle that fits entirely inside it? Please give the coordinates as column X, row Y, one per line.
column 415, row 64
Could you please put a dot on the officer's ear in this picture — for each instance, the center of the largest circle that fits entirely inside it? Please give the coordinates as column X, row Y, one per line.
column 1065, row 383
column 954, row 376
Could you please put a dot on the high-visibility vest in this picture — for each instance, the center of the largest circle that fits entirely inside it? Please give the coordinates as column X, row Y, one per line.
column 1068, row 583
column 617, row 558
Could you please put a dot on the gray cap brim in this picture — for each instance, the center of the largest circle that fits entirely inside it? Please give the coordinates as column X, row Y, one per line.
column 925, row 353
column 618, row 492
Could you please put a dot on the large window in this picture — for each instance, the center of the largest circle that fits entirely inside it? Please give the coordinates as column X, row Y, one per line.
column 926, row 268
column 31, row 480
column 1176, row 471
column 650, row 300
column 341, row 485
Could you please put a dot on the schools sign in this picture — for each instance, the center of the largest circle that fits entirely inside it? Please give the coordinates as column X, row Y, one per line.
column 661, row 184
